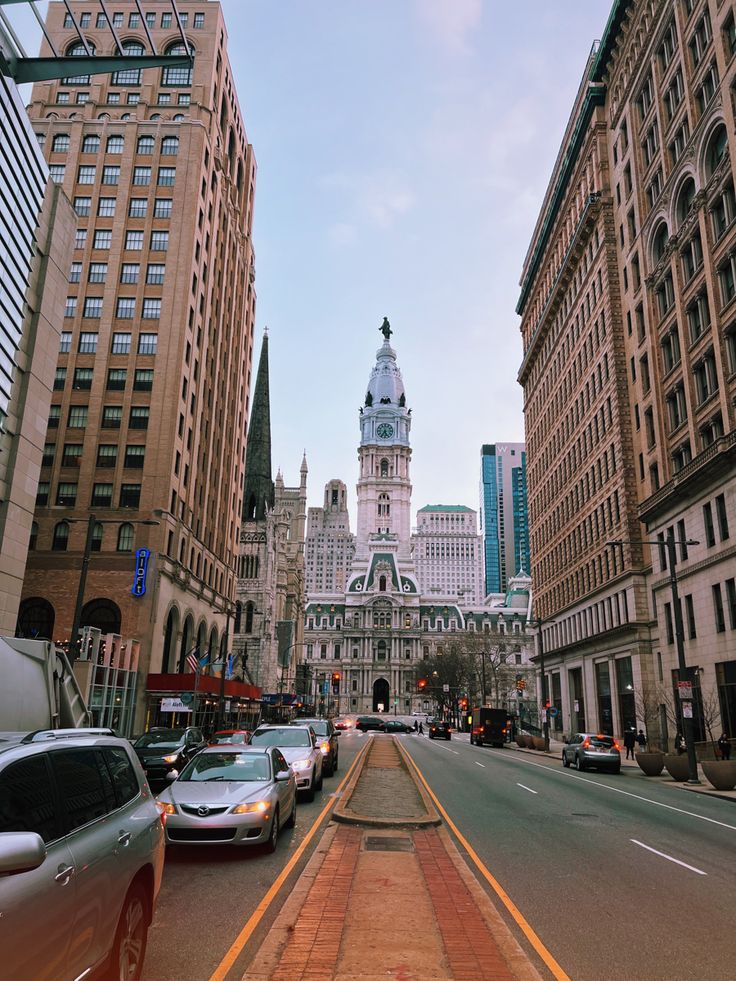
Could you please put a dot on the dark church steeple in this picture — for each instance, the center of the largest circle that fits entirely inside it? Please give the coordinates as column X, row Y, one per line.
column 259, row 491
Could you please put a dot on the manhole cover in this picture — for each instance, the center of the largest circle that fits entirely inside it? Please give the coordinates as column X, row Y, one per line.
column 380, row 843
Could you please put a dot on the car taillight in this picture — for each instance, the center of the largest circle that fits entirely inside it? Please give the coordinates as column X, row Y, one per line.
column 586, row 744
column 616, row 746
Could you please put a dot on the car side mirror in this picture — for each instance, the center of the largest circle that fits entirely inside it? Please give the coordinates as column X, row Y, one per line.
column 336, row 732
column 21, row 851
column 283, row 775
column 172, row 775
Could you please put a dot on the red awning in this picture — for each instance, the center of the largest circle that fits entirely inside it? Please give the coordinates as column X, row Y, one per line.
column 176, row 683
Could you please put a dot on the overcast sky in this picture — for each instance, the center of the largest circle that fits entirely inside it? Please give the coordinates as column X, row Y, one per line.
column 403, row 148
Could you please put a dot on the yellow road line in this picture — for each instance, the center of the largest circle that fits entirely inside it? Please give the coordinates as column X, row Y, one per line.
column 244, row 936
column 524, row 926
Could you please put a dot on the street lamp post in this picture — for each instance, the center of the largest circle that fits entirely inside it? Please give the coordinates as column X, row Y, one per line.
column 91, row 522
column 683, row 671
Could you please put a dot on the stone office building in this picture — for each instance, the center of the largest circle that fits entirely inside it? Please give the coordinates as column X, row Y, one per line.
column 629, row 373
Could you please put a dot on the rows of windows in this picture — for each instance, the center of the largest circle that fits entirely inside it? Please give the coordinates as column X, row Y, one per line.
column 110, row 175
column 129, row 273
column 112, row 417
column 116, row 379
column 166, row 20
column 121, row 342
column 92, row 143
column 107, row 455
column 101, row 496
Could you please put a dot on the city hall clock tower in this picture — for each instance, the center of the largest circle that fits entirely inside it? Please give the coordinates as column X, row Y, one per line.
column 384, row 486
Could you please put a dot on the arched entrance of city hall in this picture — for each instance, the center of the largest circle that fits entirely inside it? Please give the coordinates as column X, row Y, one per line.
column 380, row 695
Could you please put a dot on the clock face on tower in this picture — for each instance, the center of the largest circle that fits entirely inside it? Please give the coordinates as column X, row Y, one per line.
column 385, row 430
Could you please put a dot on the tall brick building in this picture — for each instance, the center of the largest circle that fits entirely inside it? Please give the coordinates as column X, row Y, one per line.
column 150, row 405
column 629, row 372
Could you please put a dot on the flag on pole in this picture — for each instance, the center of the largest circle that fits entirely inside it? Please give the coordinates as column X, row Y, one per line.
column 193, row 660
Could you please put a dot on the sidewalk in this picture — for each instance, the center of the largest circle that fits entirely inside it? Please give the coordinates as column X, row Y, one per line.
column 395, row 901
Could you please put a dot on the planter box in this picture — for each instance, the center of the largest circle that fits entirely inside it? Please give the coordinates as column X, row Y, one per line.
column 520, row 741
column 538, row 742
column 651, row 764
column 528, row 741
column 677, row 766
column 720, row 773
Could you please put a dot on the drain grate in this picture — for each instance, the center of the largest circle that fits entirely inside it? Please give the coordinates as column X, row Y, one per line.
column 384, row 843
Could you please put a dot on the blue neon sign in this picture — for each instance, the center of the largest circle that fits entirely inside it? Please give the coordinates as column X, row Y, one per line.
column 142, row 556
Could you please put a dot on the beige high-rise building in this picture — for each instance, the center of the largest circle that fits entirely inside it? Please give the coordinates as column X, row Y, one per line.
column 448, row 554
column 629, row 372
column 329, row 546
column 150, row 403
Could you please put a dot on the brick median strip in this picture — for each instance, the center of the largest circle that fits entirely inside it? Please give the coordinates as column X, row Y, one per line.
column 470, row 949
column 314, row 946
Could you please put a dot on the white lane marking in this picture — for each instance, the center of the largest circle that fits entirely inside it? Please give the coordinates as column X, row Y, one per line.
column 446, row 748
column 668, row 857
column 479, row 764
column 616, row 790
column 524, row 787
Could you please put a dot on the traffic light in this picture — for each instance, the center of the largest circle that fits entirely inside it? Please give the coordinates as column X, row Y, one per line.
column 520, row 683
column 335, row 682
column 422, row 684
column 463, row 703
column 547, row 704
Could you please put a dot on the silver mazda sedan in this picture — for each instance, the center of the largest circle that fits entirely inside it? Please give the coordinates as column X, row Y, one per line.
column 231, row 795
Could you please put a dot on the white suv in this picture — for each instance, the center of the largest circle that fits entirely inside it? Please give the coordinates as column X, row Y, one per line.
column 299, row 745
column 81, row 855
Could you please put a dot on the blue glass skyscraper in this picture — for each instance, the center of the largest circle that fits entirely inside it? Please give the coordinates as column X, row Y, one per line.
column 504, row 521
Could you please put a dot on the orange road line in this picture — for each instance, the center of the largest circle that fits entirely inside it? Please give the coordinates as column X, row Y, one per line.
column 222, row 969
column 524, row 926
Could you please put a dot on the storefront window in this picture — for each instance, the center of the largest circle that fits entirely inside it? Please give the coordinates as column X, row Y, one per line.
column 626, row 700
column 603, row 693
column 726, row 681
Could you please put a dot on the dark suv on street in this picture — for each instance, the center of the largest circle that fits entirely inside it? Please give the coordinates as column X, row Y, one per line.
column 163, row 750
column 326, row 735
column 81, row 855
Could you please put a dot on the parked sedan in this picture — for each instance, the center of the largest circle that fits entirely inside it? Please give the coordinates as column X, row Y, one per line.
column 368, row 722
column 395, row 725
column 163, row 750
column 299, row 746
column 326, row 734
column 440, row 730
column 588, row 749
column 231, row 795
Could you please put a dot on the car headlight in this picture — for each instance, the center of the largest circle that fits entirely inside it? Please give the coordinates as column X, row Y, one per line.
column 257, row 807
column 300, row 764
column 165, row 808
column 172, row 758
column 325, row 746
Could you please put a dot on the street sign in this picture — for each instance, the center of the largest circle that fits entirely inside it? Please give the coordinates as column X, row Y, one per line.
column 687, row 710
column 552, row 712
column 685, row 690
column 445, row 688
column 142, row 556
column 186, row 698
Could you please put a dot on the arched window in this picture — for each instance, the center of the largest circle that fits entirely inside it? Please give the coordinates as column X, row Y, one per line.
column 129, row 76
column 249, row 618
column 33, row 540
column 156, row 115
column 382, row 584
column 36, row 618
column 97, row 537
column 177, row 117
column 717, row 150
column 685, row 200
column 177, row 75
column 60, row 540
column 145, row 144
column 169, row 146
column 186, row 643
column 659, row 242
column 103, row 614
column 60, row 143
column 172, row 621
column 125, row 538
column 238, row 615
column 77, row 50
column 384, row 468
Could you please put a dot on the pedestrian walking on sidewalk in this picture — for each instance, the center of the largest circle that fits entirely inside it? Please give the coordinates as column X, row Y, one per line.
column 680, row 746
column 416, row 725
column 630, row 742
column 641, row 740
column 421, row 729
column 724, row 747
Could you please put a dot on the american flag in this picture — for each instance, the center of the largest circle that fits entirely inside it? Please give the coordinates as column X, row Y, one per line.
column 193, row 660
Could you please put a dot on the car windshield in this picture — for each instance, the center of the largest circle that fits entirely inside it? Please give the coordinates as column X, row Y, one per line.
column 230, row 737
column 287, row 738
column 319, row 726
column 162, row 738
column 230, row 767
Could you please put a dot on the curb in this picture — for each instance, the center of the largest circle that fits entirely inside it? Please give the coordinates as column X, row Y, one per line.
column 342, row 814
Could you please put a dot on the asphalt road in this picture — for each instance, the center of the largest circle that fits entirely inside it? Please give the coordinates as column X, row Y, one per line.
column 591, row 860
column 208, row 893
